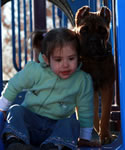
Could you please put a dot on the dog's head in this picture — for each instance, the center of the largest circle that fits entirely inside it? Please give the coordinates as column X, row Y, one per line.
column 93, row 30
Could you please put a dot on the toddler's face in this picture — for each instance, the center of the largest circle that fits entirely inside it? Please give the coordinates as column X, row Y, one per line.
column 64, row 61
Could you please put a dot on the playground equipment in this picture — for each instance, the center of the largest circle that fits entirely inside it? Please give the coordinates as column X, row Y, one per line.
column 69, row 7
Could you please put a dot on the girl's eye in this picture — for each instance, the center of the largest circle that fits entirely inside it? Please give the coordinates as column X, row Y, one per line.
column 84, row 29
column 71, row 58
column 58, row 60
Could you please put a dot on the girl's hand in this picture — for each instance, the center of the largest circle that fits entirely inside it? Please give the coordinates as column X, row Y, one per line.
column 2, row 117
column 4, row 113
column 86, row 143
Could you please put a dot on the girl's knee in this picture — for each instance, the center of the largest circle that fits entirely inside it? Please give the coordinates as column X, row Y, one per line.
column 15, row 108
column 75, row 123
column 71, row 122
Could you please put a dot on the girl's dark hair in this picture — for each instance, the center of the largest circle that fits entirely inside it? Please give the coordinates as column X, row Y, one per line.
column 57, row 37
column 37, row 37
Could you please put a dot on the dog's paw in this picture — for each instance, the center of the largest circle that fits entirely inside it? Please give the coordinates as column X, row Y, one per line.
column 86, row 143
column 108, row 139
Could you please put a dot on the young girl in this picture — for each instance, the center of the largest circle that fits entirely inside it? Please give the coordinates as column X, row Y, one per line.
column 55, row 87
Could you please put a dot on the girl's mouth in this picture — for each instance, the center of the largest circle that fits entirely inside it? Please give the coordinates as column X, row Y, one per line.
column 65, row 72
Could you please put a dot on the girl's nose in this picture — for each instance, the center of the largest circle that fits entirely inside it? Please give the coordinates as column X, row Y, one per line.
column 65, row 63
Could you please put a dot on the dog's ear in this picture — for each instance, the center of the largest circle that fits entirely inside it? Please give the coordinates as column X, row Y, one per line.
column 82, row 12
column 106, row 14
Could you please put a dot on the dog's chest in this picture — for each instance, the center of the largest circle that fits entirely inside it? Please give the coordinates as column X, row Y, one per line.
column 102, row 72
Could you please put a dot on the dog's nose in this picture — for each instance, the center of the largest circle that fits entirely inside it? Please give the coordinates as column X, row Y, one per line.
column 96, row 47
column 92, row 43
column 92, row 40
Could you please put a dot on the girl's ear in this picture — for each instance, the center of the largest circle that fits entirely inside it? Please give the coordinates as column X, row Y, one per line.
column 45, row 59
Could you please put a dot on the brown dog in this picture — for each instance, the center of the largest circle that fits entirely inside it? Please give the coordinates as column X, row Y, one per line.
column 96, row 53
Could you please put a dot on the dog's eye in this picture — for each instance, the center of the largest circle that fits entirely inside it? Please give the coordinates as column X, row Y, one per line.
column 102, row 30
column 84, row 29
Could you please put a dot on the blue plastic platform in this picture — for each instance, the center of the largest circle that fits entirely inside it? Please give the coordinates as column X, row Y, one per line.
column 116, row 145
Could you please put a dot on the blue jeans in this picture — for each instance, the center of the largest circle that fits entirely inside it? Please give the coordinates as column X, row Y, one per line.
column 38, row 130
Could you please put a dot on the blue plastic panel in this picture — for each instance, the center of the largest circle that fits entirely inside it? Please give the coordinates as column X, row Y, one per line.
column 76, row 4
column 120, row 16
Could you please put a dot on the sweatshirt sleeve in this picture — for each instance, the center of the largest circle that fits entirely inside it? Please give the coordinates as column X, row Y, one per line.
column 86, row 133
column 24, row 79
column 4, row 103
column 85, row 102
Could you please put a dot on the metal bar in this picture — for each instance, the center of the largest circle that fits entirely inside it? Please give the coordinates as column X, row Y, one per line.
column 40, row 10
column 1, row 128
column 31, row 25
column 39, row 22
column 25, row 30
column 111, row 30
column 110, row 4
column 19, row 35
column 105, row 2
column 117, row 98
column 13, row 36
column 53, row 16
column 64, row 20
column 59, row 13
column 65, row 7
column 93, row 4
column 1, row 75
column 101, row 3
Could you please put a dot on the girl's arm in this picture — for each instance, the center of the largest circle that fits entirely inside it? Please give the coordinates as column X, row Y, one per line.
column 4, row 113
column 24, row 79
column 85, row 112
column 4, row 105
column 85, row 138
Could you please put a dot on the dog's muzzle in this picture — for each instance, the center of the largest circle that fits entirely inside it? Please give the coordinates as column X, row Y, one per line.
column 97, row 49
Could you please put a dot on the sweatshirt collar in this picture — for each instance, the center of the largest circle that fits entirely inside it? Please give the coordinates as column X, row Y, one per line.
column 42, row 62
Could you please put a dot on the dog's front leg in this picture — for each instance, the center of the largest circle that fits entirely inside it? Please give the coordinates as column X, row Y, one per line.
column 106, row 102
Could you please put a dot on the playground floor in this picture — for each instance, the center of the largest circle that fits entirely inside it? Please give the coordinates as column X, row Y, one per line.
column 115, row 145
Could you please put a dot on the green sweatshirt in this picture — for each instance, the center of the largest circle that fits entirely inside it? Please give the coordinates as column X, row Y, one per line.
column 53, row 97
